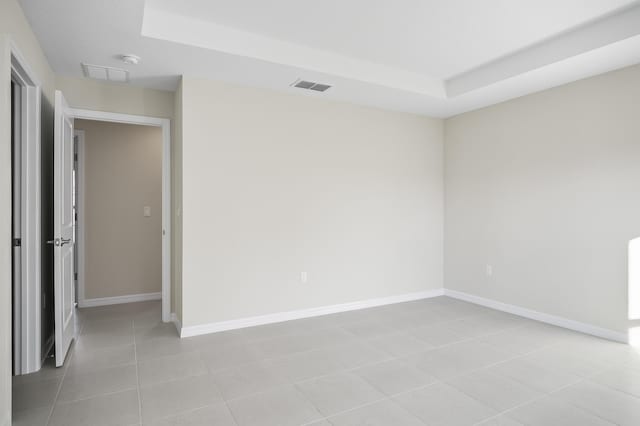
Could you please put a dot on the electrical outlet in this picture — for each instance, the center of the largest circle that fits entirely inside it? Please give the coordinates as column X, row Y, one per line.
column 304, row 277
column 489, row 270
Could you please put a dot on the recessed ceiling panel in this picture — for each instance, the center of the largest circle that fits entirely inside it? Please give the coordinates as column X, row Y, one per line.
column 439, row 38
column 404, row 55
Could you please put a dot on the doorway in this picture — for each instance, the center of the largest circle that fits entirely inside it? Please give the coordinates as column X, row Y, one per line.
column 143, row 211
column 118, row 201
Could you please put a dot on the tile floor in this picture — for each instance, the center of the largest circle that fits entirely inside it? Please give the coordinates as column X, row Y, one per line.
column 432, row 362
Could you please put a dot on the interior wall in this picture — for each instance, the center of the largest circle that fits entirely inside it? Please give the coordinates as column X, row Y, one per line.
column 14, row 29
column 545, row 188
column 275, row 185
column 122, row 175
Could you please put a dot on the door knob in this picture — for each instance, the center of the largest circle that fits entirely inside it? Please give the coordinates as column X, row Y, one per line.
column 59, row 242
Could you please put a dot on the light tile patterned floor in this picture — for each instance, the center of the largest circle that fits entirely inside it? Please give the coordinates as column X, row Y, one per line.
column 432, row 362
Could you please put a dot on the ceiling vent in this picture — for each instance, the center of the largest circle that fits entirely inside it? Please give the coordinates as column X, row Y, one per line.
column 99, row 72
column 310, row 85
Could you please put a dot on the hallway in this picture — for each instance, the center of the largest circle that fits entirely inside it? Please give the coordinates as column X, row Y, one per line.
column 434, row 361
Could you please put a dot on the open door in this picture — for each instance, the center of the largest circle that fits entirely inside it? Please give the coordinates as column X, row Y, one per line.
column 63, row 217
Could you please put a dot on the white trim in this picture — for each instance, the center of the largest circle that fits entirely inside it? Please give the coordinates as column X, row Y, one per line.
column 196, row 330
column 540, row 316
column 80, row 238
column 176, row 321
column 116, row 300
column 30, row 308
column 114, row 117
column 165, row 124
column 17, row 54
column 18, row 217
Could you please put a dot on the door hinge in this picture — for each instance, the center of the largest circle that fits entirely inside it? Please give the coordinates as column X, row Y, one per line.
column 75, row 157
column 17, row 242
column 75, row 276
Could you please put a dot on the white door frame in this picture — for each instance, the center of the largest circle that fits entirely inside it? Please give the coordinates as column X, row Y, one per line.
column 164, row 124
column 80, row 240
column 29, row 317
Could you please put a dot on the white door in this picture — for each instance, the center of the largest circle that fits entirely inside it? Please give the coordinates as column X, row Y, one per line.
column 63, row 217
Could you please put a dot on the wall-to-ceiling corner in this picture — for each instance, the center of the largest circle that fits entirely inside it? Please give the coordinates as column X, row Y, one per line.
column 176, row 229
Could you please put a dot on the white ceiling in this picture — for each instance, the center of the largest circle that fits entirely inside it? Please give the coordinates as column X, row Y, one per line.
column 433, row 57
column 440, row 38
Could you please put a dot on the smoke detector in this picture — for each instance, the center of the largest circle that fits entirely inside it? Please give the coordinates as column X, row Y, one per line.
column 310, row 85
column 130, row 59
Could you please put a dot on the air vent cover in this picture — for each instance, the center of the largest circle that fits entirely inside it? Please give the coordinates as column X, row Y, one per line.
column 99, row 72
column 319, row 87
column 310, row 85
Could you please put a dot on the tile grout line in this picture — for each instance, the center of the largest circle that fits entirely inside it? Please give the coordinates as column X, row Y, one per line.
column 530, row 401
column 55, row 400
column 366, row 404
column 587, row 379
column 555, row 391
column 97, row 395
column 224, row 401
column 135, row 358
column 64, row 374
column 233, row 416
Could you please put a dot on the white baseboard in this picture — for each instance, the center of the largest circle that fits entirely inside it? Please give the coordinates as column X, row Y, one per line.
column 196, row 330
column 176, row 321
column 540, row 316
column 131, row 298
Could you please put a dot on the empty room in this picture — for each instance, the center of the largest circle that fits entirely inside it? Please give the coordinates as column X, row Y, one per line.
column 337, row 213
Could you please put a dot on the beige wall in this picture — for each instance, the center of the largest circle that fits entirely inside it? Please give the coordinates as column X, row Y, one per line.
column 546, row 188
column 111, row 97
column 275, row 184
column 123, row 173
column 14, row 28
